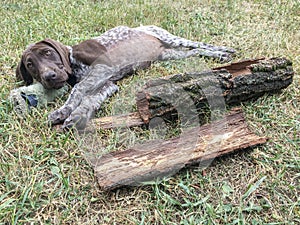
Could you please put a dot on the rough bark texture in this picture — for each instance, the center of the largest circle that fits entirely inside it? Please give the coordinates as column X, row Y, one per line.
column 163, row 158
column 229, row 84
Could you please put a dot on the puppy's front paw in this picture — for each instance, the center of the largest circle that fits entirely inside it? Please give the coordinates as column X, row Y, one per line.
column 59, row 116
column 75, row 121
column 224, row 58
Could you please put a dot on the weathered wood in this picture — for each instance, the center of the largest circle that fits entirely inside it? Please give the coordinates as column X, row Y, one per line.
column 231, row 84
column 162, row 158
column 124, row 120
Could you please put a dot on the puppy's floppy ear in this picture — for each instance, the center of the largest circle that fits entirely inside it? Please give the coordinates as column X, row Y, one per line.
column 63, row 52
column 22, row 73
column 91, row 52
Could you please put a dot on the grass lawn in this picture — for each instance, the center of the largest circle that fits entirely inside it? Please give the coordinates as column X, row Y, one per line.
column 44, row 177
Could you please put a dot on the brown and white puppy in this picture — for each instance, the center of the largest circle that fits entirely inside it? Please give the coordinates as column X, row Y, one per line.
column 47, row 62
column 94, row 65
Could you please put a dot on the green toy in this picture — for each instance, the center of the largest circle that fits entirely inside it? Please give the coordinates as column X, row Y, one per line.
column 35, row 95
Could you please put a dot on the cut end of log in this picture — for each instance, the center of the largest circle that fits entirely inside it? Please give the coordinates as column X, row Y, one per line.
column 142, row 103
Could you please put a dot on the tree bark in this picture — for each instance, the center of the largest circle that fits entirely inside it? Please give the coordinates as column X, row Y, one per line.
column 230, row 84
column 158, row 159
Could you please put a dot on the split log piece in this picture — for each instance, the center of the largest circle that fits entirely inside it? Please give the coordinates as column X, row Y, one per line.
column 158, row 159
column 124, row 120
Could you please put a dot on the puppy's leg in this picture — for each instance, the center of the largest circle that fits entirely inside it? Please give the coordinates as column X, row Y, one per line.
column 88, row 106
column 169, row 54
column 173, row 41
column 89, row 86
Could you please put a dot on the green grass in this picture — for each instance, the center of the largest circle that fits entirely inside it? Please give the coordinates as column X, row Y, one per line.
column 44, row 177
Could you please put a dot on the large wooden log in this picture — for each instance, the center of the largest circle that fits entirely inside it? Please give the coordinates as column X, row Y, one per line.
column 224, row 85
column 231, row 84
column 162, row 158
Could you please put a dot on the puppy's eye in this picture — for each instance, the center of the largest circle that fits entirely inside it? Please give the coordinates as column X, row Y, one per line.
column 29, row 65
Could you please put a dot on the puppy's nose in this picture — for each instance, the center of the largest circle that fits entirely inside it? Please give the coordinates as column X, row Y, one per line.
column 51, row 75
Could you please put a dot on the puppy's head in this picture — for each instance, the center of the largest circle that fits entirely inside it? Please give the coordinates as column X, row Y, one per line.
column 47, row 62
